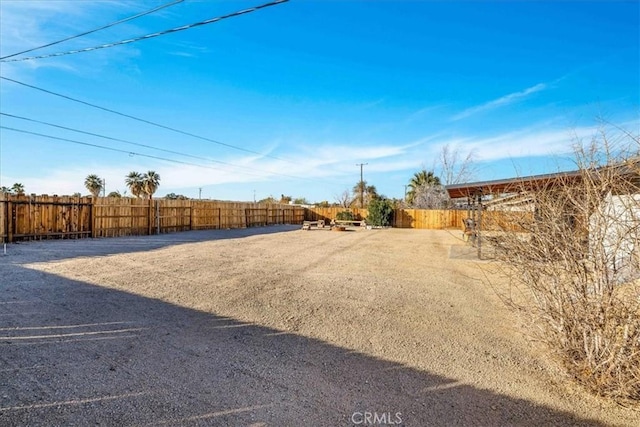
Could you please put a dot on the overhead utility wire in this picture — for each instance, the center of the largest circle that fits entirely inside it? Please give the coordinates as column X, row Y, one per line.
column 149, row 146
column 149, row 36
column 145, row 121
column 131, row 153
column 130, row 18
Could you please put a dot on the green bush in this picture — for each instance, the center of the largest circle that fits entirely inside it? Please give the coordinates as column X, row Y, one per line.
column 380, row 213
column 345, row 216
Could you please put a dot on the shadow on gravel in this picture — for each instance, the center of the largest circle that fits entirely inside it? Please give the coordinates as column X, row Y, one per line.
column 72, row 353
column 51, row 250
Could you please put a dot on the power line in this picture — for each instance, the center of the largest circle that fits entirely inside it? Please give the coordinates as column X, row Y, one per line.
column 130, row 18
column 130, row 153
column 144, row 120
column 147, row 146
column 152, row 35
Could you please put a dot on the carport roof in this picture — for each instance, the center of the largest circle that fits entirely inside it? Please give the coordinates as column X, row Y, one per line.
column 532, row 182
column 510, row 185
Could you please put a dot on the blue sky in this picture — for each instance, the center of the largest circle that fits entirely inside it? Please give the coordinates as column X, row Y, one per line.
column 308, row 89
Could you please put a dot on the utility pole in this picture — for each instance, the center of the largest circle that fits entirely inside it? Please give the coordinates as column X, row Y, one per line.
column 361, row 184
column 104, row 187
column 199, row 193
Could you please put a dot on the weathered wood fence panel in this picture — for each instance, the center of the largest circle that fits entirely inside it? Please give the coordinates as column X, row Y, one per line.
column 506, row 220
column 205, row 215
column 28, row 217
column 172, row 216
column 116, row 216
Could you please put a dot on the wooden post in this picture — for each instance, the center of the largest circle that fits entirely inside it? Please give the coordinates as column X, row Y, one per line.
column 157, row 216
column 9, row 221
column 31, row 222
column 473, row 213
column 479, row 226
column 190, row 215
column 5, row 218
column 150, row 217
column 92, row 217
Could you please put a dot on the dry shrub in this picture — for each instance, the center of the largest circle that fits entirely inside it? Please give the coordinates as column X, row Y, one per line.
column 578, row 264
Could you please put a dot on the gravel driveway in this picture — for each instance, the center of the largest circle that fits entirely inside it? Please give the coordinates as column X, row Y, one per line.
column 270, row 326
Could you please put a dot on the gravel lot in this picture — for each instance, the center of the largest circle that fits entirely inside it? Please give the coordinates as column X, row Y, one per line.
column 271, row 326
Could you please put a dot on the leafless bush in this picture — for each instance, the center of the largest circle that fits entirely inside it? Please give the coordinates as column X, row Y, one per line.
column 430, row 197
column 578, row 265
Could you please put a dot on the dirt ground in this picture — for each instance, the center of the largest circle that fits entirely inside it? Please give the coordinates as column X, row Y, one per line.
column 271, row 326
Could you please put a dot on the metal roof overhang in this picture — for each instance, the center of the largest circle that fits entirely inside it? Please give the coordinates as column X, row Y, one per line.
column 630, row 167
column 511, row 185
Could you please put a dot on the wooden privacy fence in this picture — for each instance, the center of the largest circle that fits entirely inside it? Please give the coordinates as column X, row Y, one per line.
column 23, row 217
column 402, row 218
column 48, row 217
column 53, row 217
column 433, row 219
column 507, row 221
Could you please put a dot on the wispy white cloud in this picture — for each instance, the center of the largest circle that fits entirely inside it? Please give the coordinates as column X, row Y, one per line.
column 29, row 24
column 324, row 162
column 187, row 50
column 322, row 167
column 538, row 141
column 500, row 102
column 421, row 113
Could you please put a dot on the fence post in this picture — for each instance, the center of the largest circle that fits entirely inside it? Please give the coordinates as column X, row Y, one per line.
column 9, row 220
column 92, row 217
column 157, row 216
column 5, row 227
column 479, row 228
column 150, row 217
column 190, row 214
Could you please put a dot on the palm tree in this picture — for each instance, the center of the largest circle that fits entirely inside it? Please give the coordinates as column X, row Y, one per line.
column 371, row 193
column 18, row 189
column 114, row 194
column 368, row 192
column 151, row 182
column 134, row 180
column 94, row 184
column 358, row 192
column 420, row 179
